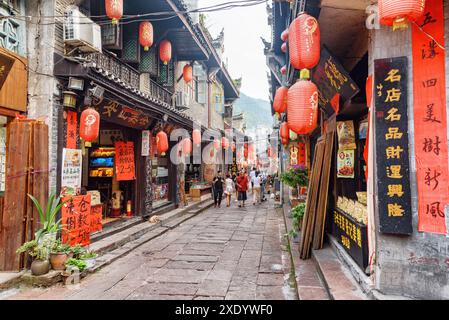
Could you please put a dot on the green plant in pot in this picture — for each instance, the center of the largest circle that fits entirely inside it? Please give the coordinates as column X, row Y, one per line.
column 76, row 251
column 40, row 264
column 90, row 258
column 59, row 255
column 297, row 216
column 78, row 263
column 295, row 177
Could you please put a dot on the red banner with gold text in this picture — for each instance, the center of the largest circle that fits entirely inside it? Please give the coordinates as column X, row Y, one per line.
column 71, row 130
column 431, row 150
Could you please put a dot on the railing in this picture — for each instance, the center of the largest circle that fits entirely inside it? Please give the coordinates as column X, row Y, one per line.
column 119, row 71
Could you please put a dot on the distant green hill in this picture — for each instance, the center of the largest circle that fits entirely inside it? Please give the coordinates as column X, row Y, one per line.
column 257, row 111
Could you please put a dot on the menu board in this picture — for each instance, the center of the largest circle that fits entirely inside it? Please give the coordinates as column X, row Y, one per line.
column 71, row 171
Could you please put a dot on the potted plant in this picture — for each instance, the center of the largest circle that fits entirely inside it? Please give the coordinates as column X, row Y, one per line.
column 295, row 177
column 76, row 251
column 59, row 255
column 40, row 264
column 297, row 216
column 80, row 264
column 90, row 258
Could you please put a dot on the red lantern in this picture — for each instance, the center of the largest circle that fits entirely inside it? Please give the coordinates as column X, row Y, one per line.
column 284, row 47
column 284, row 70
column 245, row 153
column 89, row 125
column 187, row 146
column 224, row 143
column 285, row 131
column 217, row 144
column 285, row 141
column 165, row 51
column 146, row 35
column 302, row 107
column 399, row 13
column 284, row 35
column 196, row 135
column 162, row 143
column 269, row 152
column 114, row 10
column 280, row 100
column 304, row 42
column 187, row 73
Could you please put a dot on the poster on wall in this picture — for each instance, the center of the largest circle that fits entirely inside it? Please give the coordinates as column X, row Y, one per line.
column 124, row 161
column 345, row 164
column 71, row 171
column 392, row 154
column 75, row 217
column 431, row 148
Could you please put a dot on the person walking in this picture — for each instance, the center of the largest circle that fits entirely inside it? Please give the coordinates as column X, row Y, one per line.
column 217, row 185
column 252, row 174
column 229, row 189
column 242, row 187
column 256, row 188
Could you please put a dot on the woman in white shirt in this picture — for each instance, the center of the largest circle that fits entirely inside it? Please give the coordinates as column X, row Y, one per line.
column 257, row 180
column 229, row 189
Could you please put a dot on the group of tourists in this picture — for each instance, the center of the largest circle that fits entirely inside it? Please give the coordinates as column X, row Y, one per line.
column 239, row 185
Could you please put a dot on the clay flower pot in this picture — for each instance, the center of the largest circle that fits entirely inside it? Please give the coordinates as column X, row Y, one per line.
column 57, row 260
column 39, row 267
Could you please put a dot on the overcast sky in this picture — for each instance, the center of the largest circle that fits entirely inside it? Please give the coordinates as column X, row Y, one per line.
column 243, row 48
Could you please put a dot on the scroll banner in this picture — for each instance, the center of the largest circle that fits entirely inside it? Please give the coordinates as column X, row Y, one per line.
column 392, row 154
column 75, row 215
column 431, row 150
column 71, row 130
column 369, row 102
column 124, row 159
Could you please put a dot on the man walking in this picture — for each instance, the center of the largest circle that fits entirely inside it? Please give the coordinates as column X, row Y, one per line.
column 242, row 187
column 252, row 175
column 256, row 181
column 217, row 185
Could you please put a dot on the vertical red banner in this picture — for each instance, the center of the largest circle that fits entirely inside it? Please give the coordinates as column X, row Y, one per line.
column 124, row 161
column 75, row 218
column 71, row 130
column 431, row 150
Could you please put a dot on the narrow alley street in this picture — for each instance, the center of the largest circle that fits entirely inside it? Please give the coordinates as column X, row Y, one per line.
column 225, row 253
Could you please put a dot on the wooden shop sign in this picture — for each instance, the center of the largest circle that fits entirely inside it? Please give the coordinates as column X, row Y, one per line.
column 123, row 115
column 392, row 154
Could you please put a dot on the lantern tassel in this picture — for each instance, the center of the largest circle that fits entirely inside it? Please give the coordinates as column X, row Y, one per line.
column 304, row 74
column 114, row 21
column 146, row 48
column 400, row 24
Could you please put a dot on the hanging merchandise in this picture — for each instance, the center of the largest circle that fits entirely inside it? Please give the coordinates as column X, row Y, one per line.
column 187, row 146
column 196, row 136
column 114, row 10
column 165, row 51
column 89, row 125
column 284, row 70
column 304, row 42
column 284, row 47
column 284, row 130
column 187, row 73
column 302, row 105
column 346, row 135
column 398, row 14
column 284, row 35
column 162, row 143
column 280, row 100
column 146, row 35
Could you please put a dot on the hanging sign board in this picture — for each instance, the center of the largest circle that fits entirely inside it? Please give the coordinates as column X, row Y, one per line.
column 431, row 148
column 392, row 154
column 333, row 82
column 124, row 161
column 71, row 171
column 75, row 215
column 146, row 134
column 71, row 130
column 123, row 115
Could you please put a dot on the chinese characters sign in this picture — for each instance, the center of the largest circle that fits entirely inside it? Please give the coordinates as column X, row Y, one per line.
column 71, row 171
column 71, row 130
column 392, row 155
column 96, row 218
column 333, row 82
column 431, row 150
column 75, row 215
column 124, row 159
column 123, row 115
column 146, row 135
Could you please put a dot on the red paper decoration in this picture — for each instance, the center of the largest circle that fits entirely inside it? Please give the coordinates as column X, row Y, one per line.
column 114, row 10
column 89, row 125
column 162, row 143
column 196, row 136
column 304, row 42
column 146, row 35
column 302, row 107
column 280, row 100
column 165, row 51
column 399, row 13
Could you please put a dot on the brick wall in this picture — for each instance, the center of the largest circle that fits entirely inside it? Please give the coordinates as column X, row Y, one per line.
column 417, row 265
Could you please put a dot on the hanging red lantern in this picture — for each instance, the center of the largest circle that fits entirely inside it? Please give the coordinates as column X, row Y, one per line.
column 284, row 47
column 224, row 143
column 196, row 136
column 302, row 106
column 304, row 42
column 146, row 35
column 187, row 146
column 284, row 70
column 89, row 125
column 284, row 130
column 165, row 51
column 162, row 143
column 284, row 35
column 187, row 73
column 280, row 100
column 245, row 153
column 398, row 14
column 217, row 144
column 114, row 10
column 269, row 152
column 285, row 141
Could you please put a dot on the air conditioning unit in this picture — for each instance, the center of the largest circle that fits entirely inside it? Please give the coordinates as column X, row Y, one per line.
column 181, row 100
column 81, row 32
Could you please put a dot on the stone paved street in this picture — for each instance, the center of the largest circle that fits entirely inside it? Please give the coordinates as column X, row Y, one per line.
column 227, row 253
